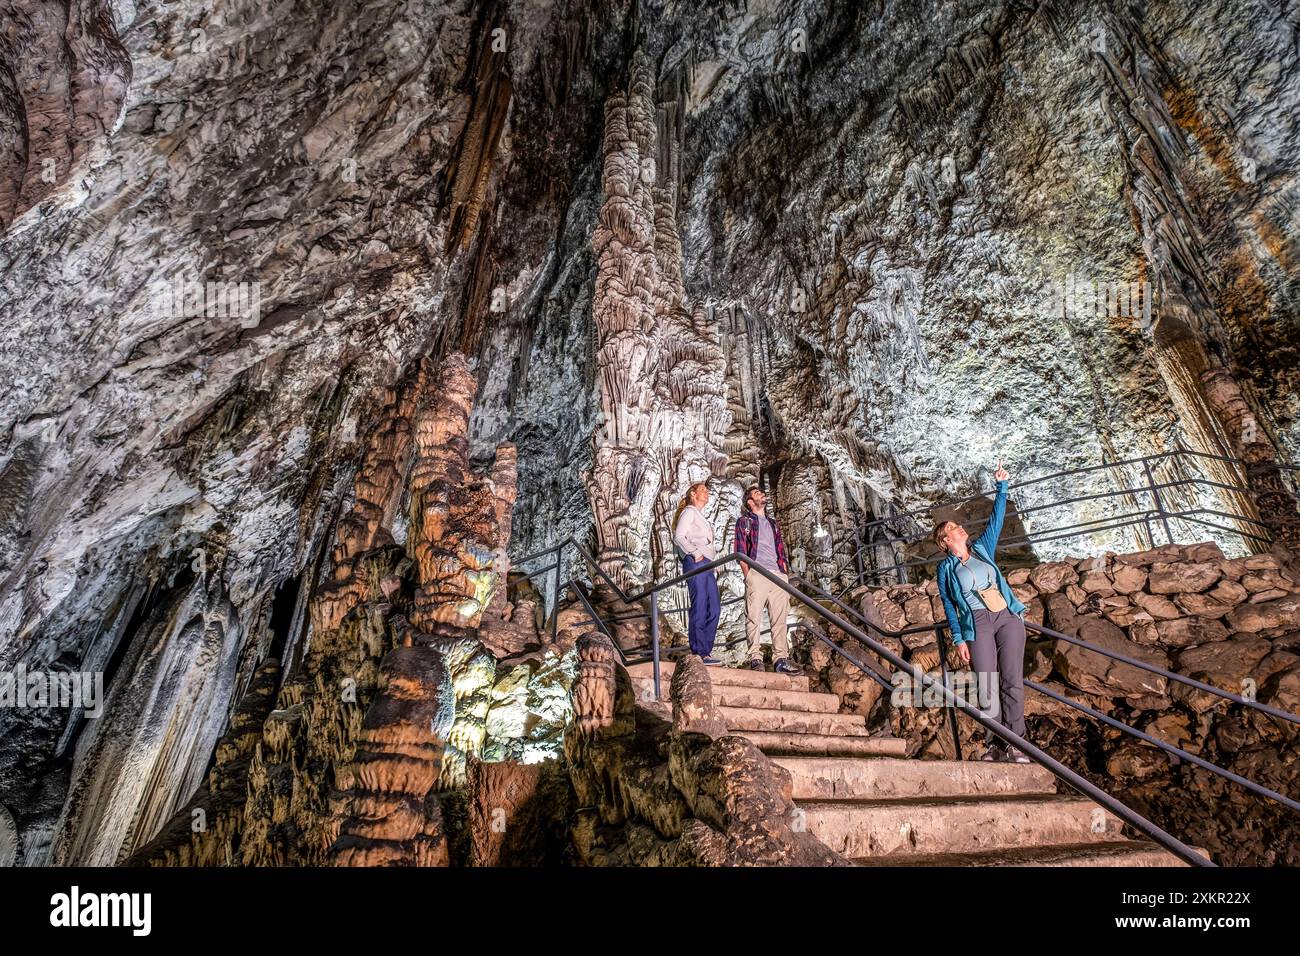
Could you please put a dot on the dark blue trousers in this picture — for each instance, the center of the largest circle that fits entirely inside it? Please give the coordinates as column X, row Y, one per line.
column 706, row 607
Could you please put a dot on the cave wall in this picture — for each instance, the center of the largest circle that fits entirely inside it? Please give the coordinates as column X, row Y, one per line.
column 873, row 203
column 895, row 192
column 173, row 467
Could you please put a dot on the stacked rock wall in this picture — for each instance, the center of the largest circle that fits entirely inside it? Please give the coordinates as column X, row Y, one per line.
column 1231, row 623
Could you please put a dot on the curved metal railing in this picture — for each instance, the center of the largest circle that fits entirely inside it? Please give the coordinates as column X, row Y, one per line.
column 941, row 626
column 902, row 530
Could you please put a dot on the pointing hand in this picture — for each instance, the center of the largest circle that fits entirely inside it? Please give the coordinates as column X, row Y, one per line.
column 1001, row 473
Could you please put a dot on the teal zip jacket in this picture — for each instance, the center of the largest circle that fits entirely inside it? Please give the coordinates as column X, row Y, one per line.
column 961, row 620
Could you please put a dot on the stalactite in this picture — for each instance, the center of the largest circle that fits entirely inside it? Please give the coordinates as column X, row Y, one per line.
column 1187, row 329
column 477, row 148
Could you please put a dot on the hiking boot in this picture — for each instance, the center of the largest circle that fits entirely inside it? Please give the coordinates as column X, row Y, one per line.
column 1016, row 755
column 994, row 754
column 757, row 664
column 710, row 660
column 783, row 666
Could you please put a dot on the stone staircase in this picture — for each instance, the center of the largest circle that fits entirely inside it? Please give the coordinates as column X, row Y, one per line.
column 863, row 797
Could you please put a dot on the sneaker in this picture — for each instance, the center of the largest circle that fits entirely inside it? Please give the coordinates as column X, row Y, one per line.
column 710, row 660
column 1016, row 755
column 757, row 664
column 783, row 666
column 994, row 754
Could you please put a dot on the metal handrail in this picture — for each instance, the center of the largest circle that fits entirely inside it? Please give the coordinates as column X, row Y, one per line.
column 1069, row 531
column 1065, row 473
column 1135, row 819
column 1139, row 822
column 954, row 702
column 1160, row 513
column 1246, row 782
column 940, row 626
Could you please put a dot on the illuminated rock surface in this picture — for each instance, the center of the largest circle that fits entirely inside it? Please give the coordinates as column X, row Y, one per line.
column 838, row 277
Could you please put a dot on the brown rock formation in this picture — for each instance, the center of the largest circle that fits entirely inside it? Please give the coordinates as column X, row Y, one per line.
column 650, row 792
column 691, row 692
column 382, row 713
column 516, row 813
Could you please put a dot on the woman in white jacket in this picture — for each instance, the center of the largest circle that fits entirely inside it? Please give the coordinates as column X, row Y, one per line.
column 694, row 536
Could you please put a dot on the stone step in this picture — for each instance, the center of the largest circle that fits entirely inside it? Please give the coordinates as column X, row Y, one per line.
column 778, row 743
column 768, row 699
column 871, row 828
column 1130, row 853
column 726, row 695
column 722, row 676
column 792, row 721
column 847, row 778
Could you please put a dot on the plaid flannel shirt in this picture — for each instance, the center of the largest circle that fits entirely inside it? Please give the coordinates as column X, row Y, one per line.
column 747, row 538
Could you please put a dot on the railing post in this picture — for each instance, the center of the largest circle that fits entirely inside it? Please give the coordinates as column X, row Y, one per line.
column 859, row 545
column 900, row 559
column 952, row 711
column 654, row 640
column 555, row 594
column 1159, row 502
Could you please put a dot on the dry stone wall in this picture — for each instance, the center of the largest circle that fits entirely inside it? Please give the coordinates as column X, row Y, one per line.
column 1231, row 623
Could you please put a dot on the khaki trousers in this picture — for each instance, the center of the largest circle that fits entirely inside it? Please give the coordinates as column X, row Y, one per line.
column 761, row 593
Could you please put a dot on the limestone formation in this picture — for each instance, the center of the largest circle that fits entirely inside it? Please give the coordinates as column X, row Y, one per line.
column 348, row 766
column 659, row 360
column 659, row 793
column 240, row 242
column 595, row 691
column 691, row 693
column 517, row 813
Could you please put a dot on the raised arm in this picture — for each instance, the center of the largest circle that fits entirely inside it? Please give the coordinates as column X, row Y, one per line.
column 989, row 539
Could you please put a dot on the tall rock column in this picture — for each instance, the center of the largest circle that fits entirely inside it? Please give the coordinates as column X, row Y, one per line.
column 416, row 735
column 660, row 362
column 625, row 477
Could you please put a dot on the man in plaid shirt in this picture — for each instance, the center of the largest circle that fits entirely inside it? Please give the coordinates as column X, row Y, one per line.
column 759, row 539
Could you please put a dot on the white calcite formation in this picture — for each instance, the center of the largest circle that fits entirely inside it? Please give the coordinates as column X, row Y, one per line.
column 659, row 362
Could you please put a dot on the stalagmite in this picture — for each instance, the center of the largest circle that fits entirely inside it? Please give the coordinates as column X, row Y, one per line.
column 660, row 360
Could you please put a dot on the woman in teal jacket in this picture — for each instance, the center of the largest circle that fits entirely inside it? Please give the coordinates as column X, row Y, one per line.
column 986, row 619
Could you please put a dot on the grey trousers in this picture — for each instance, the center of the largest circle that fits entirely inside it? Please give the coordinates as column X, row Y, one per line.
column 998, row 656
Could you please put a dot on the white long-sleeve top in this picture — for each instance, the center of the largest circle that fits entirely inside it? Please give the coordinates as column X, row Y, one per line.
column 694, row 534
